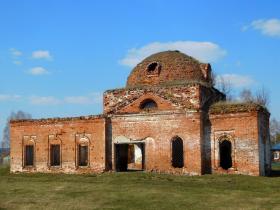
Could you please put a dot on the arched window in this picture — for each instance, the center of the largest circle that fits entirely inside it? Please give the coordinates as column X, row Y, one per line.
column 177, row 152
column 83, row 152
column 148, row 104
column 83, row 155
column 29, row 155
column 55, row 150
column 29, row 151
column 153, row 69
column 55, row 154
column 225, row 154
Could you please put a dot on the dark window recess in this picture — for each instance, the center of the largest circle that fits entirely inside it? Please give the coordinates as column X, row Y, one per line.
column 225, row 154
column 55, row 155
column 148, row 104
column 152, row 67
column 177, row 153
column 83, row 155
column 29, row 155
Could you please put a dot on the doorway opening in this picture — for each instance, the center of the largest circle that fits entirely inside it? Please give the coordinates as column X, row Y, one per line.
column 225, row 154
column 130, row 157
column 177, row 152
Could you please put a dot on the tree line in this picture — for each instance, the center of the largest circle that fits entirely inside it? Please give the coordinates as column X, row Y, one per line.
column 19, row 115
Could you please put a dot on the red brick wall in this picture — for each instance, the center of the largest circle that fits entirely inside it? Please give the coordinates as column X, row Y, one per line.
column 181, row 97
column 192, row 97
column 157, row 130
column 172, row 67
column 182, row 111
column 134, row 107
column 65, row 132
column 264, row 143
column 243, row 129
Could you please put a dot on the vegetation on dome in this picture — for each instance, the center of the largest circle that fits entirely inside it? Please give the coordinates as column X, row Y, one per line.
column 170, row 57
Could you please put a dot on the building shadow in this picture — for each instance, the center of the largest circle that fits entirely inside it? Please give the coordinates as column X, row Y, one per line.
column 275, row 173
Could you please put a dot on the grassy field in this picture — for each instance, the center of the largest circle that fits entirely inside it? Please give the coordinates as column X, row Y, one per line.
column 137, row 191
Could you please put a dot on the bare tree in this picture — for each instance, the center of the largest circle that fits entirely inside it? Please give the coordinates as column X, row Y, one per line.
column 262, row 97
column 6, row 132
column 275, row 131
column 246, row 95
column 225, row 86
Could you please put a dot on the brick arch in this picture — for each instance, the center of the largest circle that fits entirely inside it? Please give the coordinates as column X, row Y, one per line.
column 82, row 140
column 226, row 137
column 220, row 140
column 134, row 107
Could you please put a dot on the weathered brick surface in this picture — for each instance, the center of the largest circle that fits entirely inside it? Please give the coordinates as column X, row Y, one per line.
column 189, row 97
column 246, row 136
column 174, row 67
column 156, row 131
column 64, row 132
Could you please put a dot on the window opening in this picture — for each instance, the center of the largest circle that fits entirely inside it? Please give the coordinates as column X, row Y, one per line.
column 177, row 153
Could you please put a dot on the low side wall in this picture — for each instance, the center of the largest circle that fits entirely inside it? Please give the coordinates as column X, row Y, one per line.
column 66, row 132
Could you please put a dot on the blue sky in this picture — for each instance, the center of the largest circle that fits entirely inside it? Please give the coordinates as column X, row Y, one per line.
column 57, row 57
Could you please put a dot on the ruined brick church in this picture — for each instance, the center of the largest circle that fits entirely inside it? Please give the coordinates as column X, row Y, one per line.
column 169, row 119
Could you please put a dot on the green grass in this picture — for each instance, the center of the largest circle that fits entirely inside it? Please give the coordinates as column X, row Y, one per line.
column 137, row 190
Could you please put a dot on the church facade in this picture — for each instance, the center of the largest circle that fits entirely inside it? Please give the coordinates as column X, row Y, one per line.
column 169, row 119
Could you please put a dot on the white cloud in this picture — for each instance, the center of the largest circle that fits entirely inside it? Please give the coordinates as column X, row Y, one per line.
column 269, row 27
column 41, row 54
column 38, row 71
column 94, row 98
column 237, row 81
column 15, row 52
column 44, row 100
column 203, row 51
column 77, row 100
column 7, row 97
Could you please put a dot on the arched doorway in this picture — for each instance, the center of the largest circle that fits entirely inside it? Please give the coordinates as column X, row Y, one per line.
column 177, row 152
column 225, row 149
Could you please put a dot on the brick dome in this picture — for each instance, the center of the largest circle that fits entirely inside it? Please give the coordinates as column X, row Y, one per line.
column 167, row 68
